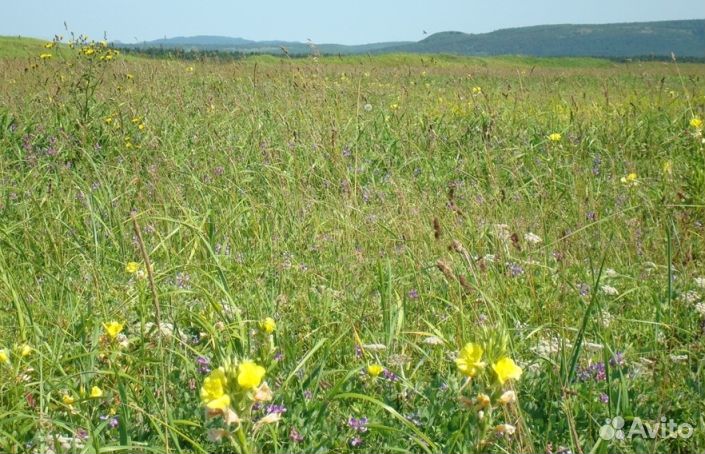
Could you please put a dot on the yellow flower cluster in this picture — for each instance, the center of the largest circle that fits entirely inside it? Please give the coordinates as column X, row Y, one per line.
column 470, row 364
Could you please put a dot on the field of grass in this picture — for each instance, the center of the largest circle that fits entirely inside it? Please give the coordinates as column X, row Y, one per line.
column 420, row 254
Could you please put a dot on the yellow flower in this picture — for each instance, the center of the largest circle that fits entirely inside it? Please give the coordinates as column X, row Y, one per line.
column 4, row 356
column 506, row 369
column 132, row 267
column 667, row 168
column 25, row 350
column 221, row 403
column 67, row 399
column 555, row 137
column 631, row 179
column 96, row 392
column 249, row 374
column 45, row 56
column 268, row 325
column 214, row 385
column 476, row 90
column 696, row 122
column 49, row 45
column 469, row 359
column 374, row 370
column 140, row 126
column 113, row 328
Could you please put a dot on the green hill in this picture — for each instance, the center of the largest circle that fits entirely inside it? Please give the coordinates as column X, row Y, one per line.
column 17, row 47
column 685, row 38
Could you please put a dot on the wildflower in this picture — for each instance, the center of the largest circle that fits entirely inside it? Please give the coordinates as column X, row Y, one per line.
column 249, row 374
column 270, row 418
column 476, row 90
column 49, row 45
column 203, row 364
column 609, row 290
column 617, row 359
column 268, row 325
column 508, row 397
column 25, row 350
column 132, row 267
column 555, row 137
column 700, row 309
column 696, row 122
column 413, row 294
column 373, row 370
column 482, row 400
column 4, row 356
column 433, row 340
column 358, row 424
column 631, row 179
column 667, row 168
column 276, row 408
column 263, row 393
column 389, row 375
column 356, row 441
column 113, row 328
column 604, row 398
column 504, row 429
column 295, row 436
column 532, row 238
column 690, row 297
column 67, row 399
column 374, row 347
column 45, row 56
column 469, row 359
column 367, row 107
column 96, row 392
column 506, row 369
column 213, row 394
column 700, row 282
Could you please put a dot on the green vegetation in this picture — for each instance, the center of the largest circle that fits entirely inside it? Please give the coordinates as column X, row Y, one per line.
column 20, row 47
column 685, row 38
column 403, row 253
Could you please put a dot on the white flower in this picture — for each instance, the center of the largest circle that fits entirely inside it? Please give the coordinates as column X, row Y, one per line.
column 505, row 429
column 700, row 309
column 609, row 290
column 374, row 347
column 367, row 107
column 532, row 238
column 700, row 282
column 678, row 358
column 433, row 340
column 605, row 318
column 508, row 397
column 690, row 297
column 609, row 272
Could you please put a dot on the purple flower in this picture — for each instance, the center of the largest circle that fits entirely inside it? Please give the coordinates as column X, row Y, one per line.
column 604, row 398
column 358, row 424
column 203, row 364
column 112, row 421
column 617, row 359
column 308, row 395
column 389, row 375
column 81, row 434
column 355, row 442
column 346, row 152
column 358, row 351
column 295, row 436
column 515, row 269
column 276, row 409
column 584, row 289
column 591, row 216
column 278, row 356
column 413, row 294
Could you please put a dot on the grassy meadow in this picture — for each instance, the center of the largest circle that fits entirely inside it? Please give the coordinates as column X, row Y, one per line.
column 360, row 254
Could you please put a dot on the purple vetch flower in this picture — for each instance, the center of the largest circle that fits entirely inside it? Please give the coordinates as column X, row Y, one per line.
column 203, row 364
column 583, row 289
column 600, row 372
column 515, row 269
column 308, row 395
column 81, row 434
column 617, row 359
column 596, row 163
column 113, row 421
column 604, row 398
column 278, row 356
column 276, row 409
column 295, row 436
column 389, row 375
column 413, row 294
column 358, row 352
column 591, row 216
column 358, row 424
column 356, row 441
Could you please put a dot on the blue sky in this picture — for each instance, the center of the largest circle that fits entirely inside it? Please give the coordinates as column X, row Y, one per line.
column 323, row 21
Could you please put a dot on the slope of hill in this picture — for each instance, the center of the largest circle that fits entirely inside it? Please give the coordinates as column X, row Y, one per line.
column 685, row 38
column 19, row 46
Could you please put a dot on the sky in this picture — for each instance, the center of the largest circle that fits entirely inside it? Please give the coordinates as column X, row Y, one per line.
column 322, row 21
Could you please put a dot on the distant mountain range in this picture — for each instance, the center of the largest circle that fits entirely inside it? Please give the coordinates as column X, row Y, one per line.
column 684, row 38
